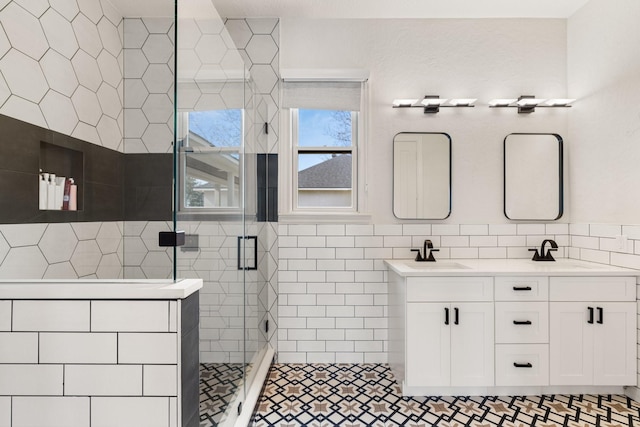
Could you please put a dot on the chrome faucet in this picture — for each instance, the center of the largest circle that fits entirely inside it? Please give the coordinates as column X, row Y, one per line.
column 427, row 252
column 542, row 256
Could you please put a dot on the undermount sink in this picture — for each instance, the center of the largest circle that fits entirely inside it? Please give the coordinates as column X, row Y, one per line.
column 438, row 265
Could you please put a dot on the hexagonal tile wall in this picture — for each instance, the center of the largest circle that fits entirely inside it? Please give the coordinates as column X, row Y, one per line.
column 61, row 68
column 148, row 81
column 56, row 58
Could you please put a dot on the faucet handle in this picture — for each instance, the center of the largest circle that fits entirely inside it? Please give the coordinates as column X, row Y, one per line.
column 419, row 255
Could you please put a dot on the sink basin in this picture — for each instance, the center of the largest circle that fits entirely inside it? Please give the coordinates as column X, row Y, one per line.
column 438, row 265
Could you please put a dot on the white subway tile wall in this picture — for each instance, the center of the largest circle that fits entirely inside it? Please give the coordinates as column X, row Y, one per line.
column 63, row 347
column 18, row 347
column 35, row 380
column 5, row 315
column 153, row 348
column 147, row 316
column 51, row 315
column 130, row 411
column 5, row 411
column 62, row 366
column 332, row 298
column 103, row 380
column 44, row 411
column 160, row 380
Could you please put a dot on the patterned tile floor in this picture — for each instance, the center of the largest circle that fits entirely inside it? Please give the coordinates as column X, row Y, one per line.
column 218, row 385
column 328, row 395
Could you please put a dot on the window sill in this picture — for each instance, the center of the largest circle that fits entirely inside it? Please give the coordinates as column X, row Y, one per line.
column 324, row 218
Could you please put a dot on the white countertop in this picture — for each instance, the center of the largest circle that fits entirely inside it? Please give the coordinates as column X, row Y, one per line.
column 99, row 289
column 505, row 267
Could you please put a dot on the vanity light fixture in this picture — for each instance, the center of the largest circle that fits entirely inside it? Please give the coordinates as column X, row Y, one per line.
column 560, row 102
column 432, row 103
column 528, row 103
column 405, row 103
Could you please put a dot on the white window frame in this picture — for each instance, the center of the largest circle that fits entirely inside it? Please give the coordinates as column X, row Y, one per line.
column 297, row 149
column 288, row 186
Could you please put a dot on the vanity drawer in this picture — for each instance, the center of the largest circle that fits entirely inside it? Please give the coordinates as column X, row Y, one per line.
column 522, row 364
column 522, row 322
column 526, row 288
column 592, row 289
column 428, row 289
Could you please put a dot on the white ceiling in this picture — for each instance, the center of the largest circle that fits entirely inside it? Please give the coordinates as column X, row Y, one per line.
column 366, row 8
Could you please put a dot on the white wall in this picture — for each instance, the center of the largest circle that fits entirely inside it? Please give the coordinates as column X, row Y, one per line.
column 604, row 127
column 452, row 58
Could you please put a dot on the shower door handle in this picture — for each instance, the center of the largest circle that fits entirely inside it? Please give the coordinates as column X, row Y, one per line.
column 241, row 265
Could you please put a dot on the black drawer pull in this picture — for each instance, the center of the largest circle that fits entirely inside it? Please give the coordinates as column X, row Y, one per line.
column 590, row 321
column 446, row 315
column 522, row 365
column 522, row 322
column 456, row 321
column 600, row 316
column 522, row 288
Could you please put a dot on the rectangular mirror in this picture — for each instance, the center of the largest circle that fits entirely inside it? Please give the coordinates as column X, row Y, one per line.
column 421, row 175
column 533, row 176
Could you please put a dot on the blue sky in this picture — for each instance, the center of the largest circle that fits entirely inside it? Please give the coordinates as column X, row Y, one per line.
column 313, row 131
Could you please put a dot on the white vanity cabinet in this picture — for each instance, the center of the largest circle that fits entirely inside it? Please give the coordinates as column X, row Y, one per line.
column 449, row 344
column 447, row 324
column 511, row 327
column 593, row 331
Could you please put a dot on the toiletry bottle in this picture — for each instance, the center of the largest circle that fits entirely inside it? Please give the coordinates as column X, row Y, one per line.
column 42, row 195
column 73, row 196
column 59, row 191
column 66, row 194
column 51, row 192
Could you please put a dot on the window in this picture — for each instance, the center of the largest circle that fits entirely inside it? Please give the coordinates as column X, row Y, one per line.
column 323, row 171
column 324, row 158
column 210, row 162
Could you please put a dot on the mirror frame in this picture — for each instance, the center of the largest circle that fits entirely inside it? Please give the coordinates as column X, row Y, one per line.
column 449, row 184
column 560, row 177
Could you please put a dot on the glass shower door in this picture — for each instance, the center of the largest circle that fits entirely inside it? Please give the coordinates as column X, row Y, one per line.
column 215, row 205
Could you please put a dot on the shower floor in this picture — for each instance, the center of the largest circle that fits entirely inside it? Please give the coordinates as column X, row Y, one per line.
column 219, row 384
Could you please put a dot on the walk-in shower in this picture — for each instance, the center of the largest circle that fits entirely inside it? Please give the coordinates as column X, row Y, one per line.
column 152, row 109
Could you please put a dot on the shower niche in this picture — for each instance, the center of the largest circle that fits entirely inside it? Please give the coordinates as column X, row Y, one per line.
column 58, row 165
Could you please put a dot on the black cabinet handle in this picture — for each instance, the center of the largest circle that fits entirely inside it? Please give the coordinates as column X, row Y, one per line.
column 446, row 315
column 522, row 288
column 590, row 321
column 522, row 322
column 522, row 365
column 457, row 316
column 600, row 316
